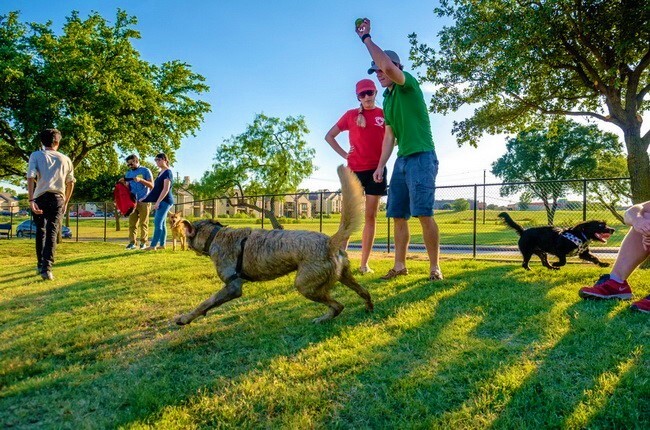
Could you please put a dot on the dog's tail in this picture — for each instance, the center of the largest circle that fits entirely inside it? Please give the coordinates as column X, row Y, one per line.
column 511, row 223
column 352, row 208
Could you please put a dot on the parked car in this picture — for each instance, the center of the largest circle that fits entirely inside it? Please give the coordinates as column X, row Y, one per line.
column 23, row 212
column 5, row 213
column 28, row 229
column 99, row 214
column 73, row 213
column 85, row 213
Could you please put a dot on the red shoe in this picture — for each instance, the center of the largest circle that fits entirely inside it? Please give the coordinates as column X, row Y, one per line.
column 606, row 288
column 642, row 305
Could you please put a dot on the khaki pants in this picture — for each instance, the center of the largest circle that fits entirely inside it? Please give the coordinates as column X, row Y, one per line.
column 139, row 215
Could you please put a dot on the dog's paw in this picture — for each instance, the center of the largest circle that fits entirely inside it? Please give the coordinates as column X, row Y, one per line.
column 603, row 264
column 181, row 320
column 322, row 319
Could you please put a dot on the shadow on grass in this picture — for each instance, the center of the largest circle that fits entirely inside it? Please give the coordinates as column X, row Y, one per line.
column 472, row 351
column 129, row 365
column 589, row 378
column 408, row 377
column 438, row 365
column 79, row 358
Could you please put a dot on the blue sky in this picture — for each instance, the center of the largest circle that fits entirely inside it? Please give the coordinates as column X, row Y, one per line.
column 281, row 58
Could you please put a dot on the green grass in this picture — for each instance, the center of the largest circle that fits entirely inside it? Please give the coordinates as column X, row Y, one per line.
column 491, row 346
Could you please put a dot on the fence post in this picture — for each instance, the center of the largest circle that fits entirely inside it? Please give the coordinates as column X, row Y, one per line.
column 388, row 233
column 77, row 238
column 263, row 207
column 584, row 200
column 105, row 221
column 214, row 208
column 475, row 219
column 321, row 212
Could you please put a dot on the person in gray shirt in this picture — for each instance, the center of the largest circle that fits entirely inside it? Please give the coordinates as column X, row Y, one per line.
column 50, row 181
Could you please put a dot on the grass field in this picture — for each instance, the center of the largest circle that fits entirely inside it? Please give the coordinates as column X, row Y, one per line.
column 490, row 346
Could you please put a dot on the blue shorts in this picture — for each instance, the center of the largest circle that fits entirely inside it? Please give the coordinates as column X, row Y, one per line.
column 412, row 186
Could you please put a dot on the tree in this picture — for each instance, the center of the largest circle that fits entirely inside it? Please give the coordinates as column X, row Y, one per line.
column 90, row 82
column 98, row 189
column 524, row 201
column 566, row 150
column 613, row 193
column 270, row 157
column 460, row 205
column 523, row 58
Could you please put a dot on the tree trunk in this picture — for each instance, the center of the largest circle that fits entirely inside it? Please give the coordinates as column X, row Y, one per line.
column 638, row 163
column 117, row 220
column 550, row 210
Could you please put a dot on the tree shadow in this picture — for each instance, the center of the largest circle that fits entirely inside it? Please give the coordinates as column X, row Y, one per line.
column 590, row 365
column 426, row 371
column 460, row 334
column 131, row 369
column 395, row 386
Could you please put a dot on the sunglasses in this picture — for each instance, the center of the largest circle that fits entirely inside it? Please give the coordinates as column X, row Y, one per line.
column 368, row 93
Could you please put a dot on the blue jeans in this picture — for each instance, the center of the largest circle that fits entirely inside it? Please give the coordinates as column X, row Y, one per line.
column 412, row 186
column 160, row 224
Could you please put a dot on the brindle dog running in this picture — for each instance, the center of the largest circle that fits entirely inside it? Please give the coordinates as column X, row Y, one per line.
column 244, row 254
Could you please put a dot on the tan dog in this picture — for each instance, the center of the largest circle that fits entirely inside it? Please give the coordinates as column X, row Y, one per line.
column 244, row 254
column 178, row 230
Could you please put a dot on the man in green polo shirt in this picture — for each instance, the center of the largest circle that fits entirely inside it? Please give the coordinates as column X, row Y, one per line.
column 412, row 185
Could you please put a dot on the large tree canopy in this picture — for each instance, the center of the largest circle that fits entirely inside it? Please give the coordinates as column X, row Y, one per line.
column 565, row 150
column 270, row 157
column 90, row 82
column 522, row 59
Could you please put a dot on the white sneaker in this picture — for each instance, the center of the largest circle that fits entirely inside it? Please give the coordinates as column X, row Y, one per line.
column 365, row 269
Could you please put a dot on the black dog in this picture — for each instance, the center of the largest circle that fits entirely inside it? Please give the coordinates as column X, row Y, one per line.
column 560, row 242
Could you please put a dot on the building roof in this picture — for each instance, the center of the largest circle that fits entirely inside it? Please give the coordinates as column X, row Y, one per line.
column 7, row 197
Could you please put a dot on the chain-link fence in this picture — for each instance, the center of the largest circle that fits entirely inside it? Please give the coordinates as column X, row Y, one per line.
column 467, row 215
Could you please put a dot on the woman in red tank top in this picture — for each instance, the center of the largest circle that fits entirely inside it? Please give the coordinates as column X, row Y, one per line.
column 365, row 125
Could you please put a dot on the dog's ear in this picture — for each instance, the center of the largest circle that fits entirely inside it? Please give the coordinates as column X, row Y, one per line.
column 190, row 231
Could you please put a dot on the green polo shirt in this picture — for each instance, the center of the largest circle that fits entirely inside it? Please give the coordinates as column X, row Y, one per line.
column 406, row 112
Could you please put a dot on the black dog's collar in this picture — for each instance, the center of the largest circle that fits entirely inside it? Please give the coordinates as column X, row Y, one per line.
column 213, row 233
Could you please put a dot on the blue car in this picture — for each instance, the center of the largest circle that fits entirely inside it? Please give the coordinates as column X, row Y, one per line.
column 28, row 229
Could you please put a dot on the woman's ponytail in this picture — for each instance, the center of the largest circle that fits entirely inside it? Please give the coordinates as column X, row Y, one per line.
column 361, row 120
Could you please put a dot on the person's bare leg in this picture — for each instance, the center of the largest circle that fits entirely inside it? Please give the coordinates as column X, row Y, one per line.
column 431, row 236
column 630, row 255
column 368, row 238
column 402, row 237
